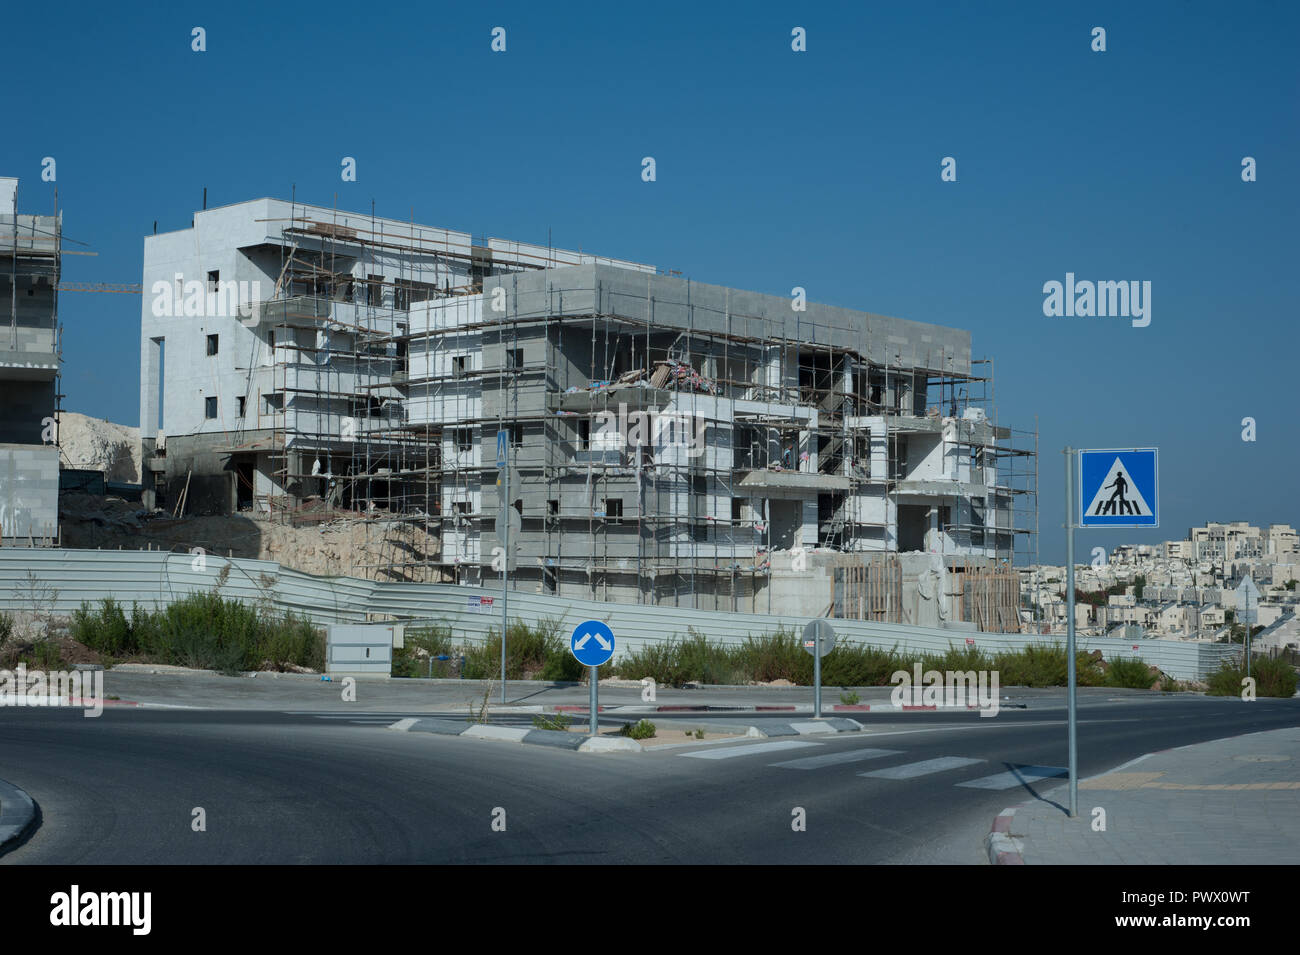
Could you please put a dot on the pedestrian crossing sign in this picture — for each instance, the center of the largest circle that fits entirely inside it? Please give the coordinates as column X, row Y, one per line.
column 1119, row 488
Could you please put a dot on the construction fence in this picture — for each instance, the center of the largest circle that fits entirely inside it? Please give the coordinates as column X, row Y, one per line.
column 57, row 581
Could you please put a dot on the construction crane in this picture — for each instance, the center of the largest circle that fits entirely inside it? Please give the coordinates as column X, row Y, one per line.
column 127, row 288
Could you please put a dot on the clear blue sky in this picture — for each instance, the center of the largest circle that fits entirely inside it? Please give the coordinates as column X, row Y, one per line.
column 775, row 169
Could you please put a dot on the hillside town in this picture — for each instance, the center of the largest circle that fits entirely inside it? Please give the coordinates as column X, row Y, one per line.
column 1209, row 587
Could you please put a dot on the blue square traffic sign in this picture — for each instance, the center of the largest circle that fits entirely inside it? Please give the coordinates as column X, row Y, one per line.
column 1119, row 488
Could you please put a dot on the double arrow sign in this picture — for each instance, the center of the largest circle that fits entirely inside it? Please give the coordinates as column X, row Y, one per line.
column 584, row 650
column 582, row 641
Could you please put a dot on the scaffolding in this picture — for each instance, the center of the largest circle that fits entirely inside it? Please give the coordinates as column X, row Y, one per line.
column 30, row 353
column 788, row 408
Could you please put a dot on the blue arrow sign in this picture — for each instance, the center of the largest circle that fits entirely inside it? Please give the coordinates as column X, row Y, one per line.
column 592, row 643
column 1119, row 488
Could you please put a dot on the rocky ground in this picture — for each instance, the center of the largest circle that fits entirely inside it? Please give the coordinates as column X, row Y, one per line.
column 347, row 547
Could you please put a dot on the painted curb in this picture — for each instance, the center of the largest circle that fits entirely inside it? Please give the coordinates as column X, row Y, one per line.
column 737, row 708
column 69, row 702
column 556, row 739
column 18, row 816
column 807, row 728
column 1004, row 848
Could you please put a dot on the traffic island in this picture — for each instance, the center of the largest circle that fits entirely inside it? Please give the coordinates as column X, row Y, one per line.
column 556, row 739
column 19, row 816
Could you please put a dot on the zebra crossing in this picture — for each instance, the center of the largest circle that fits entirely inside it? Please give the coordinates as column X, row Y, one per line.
column 915, row 769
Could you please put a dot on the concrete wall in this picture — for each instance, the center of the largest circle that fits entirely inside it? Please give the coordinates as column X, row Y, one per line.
column 29, row 492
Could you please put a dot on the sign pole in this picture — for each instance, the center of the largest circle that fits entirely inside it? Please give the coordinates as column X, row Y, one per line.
column 817, row 679
column 818, row 638
column 1069, row 643
column 505, row 566
column 592, row 644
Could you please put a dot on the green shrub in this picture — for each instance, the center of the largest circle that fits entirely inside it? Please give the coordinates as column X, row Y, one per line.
column 42, row 655
column 105, row 630
column 532, row 652
column 1130, row 674
column 641, row 729
column 853, row 664
column 1038, row 665
column 850, row 699
column 435, row 641
column 6, row 627
column 1272, row 678
column 202, row 630
column 553, row 721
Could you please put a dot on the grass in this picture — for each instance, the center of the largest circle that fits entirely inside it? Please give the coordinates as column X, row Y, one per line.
column 780, row 655
column 553, row 721
column 532, row 653
column 204, row 631
column 1272, row 678
column 1131, row 674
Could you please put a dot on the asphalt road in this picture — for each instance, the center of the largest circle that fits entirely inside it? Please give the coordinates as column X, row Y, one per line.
column 342, row 788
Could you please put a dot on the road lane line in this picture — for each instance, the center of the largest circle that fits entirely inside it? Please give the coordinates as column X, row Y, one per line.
column 835, row 759
column 924, row 768
column 752, row 749
column 1016, row 777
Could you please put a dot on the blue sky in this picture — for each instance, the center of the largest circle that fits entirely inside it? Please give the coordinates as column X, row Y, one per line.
column 775, row 169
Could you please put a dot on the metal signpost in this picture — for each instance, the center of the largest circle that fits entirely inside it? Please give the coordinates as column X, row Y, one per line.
column 503, row 469
column 819, row 640
column 1248, row 615
column 1121, row 488
column 592, row 644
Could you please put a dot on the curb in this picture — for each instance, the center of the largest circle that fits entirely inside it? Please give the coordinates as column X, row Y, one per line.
column 556, row 739
column 735, row 708
column 1004, row 848
column 19, row 816
column 1007, row 849
column 807, row 728
column 80, row 702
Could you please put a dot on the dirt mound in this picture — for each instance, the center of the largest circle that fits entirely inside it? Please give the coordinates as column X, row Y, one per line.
column 100, row 445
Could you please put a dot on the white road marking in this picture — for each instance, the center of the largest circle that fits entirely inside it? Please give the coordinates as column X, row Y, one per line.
column 924, row 768
column 1015, row 777
column 752, row 749
column 835, row 759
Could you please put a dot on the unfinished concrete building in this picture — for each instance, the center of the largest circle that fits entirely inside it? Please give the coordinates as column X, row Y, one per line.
column 272, row 339
column 668, row 442
column 672, row 442
column 30, row 261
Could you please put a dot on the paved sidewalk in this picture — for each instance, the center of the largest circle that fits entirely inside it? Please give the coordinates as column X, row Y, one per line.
column 1228, row 802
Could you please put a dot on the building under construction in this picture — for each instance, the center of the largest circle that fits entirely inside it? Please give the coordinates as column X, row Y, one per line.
column 663, row 441
column 31, row 256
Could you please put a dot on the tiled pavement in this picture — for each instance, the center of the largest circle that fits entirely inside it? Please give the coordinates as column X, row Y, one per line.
column 1227, row 802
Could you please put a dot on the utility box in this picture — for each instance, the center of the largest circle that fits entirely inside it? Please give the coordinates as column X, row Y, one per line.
column 363, row 649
